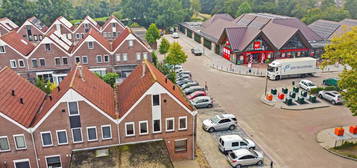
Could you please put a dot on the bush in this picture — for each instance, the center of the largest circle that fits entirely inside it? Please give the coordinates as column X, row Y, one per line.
column 330, row 88
column 316, row 90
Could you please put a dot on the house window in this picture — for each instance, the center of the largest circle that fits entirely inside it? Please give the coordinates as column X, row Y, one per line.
column 180, row 145
column 57, row 61
column 20, row 142
column 40, row 37
column 78, row 36
column 170, row 124
column 77, row 135
column 48, row 47
column 13, row 64
column 92, row 133
column 131, row 43
column 117, row 57
column 155, row 100
column 73, row 108
column 157, row 126
column 84, row 59
column 99, row 59
column 46, row 139
column 106, row 58
column 90, row 45
column 65, row 60
column 53, row 161
column 2, row 49
column 62, row 137
column 125, row 56
column 24, row 163
column 183, row 123
column 106, row 132
column 145, row 55
column 78, row 59
column 113, row 25
column 74, row 117
column 34, row 63
column 35, row 37
column 138, row 56
column 4, row 144
column 42, row 62
column 130, row 129
column 21, row 63
column 143, row 126
column 69, row 36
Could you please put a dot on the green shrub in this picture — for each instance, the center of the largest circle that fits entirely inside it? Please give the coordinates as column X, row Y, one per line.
column 316, row 90
column 330, row 88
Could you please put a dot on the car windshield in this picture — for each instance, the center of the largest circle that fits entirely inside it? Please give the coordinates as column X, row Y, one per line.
column 254, row 153
column 270, row 69
column 310, row 84
column 215, row 119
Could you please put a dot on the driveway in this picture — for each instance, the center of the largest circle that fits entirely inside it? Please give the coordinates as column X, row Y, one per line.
column 287, row 136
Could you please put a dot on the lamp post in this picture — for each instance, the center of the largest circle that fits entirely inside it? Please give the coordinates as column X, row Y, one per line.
column 266, row 83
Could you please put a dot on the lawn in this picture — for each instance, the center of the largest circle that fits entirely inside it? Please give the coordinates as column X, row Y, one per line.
column 347, row 149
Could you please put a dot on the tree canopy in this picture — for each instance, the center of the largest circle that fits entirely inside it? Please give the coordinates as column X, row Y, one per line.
column 343, row 50
column 152, row 34
column 176, row 55
column 164, row 46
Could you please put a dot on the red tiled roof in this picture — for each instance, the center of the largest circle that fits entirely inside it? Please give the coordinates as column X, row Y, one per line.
column 16, row 41
column 11, row 106
column 121, row 38
column 89, row 86
column 130, row 91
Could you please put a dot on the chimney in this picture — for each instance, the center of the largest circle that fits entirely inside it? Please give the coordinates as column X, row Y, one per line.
column 173, row 87
column 58, row 89
column 21, row 100
column 13, row 92
column 144, row 69
column 166, row 80
column 50, row 97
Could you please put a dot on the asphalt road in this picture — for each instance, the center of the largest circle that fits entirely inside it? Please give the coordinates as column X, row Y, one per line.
column 288, row 137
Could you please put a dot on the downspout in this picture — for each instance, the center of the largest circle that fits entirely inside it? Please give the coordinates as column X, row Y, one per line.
column 35, row 150
column 194, row 135
column 118, row 133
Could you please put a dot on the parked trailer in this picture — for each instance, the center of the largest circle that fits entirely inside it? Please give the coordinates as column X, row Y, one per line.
column 291, row 67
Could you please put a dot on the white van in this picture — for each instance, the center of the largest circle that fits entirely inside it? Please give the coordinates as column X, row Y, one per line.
column 228, row 143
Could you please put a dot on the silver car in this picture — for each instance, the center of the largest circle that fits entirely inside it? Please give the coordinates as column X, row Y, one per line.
column 244, row 157
column 189, row 84
column 220, row 122
column 192, row 89
column 202, row 102
column 332, row 96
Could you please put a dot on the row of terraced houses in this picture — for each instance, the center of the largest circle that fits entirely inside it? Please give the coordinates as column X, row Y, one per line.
column 35, row 50
column 85, row 114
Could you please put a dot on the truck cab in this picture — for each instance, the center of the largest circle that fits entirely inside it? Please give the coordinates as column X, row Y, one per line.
column 273, row 70
column 291, row 67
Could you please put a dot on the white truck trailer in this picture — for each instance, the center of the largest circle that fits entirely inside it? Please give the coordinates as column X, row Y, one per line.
column 291, row 67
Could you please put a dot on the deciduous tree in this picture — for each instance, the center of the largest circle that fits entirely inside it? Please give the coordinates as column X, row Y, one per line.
column 244, row 8
column 164, row 46
column 152, row 34
column 176, row 55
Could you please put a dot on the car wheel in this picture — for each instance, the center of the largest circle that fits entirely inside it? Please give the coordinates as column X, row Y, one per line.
column 252, row 148
column 239, row 166
column 277, row 77
column 232, row 127
column 260, row 163
column 210, row 130
column 210, row 106
column 333, row 102
column 320, row 96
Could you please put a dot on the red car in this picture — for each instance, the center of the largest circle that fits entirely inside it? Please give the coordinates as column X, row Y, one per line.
column 196, row 94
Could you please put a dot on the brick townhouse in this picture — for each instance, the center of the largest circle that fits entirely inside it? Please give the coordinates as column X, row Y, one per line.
column 33, row 29
column 6, row 25
column 52, row 57
column 85, row 113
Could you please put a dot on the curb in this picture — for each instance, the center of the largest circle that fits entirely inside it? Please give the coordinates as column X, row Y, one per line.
column 337, row 154
column 236, row 73
column 307, row 108
column 272, row 104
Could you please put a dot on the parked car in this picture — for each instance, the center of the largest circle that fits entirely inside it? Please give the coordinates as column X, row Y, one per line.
column 175, row 35
column 307, row 85
column 331, row 82
column 178, row 68
column 202, row 102
column 184, row 72
column 192, row 89
column 245, row 157
column 183, row 81
column 197, row 51
column 332, row 96
column 183, row 77
column 220, row 122
column 196, row 94
column 233, row 142
column 189, row 84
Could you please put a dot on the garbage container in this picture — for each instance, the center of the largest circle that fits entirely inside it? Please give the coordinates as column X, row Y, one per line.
column 289, row 101
column 313, row 99
column 301, row 100
column 303, row 93
column 273, row 91
column 284, row 90
column 292, row 95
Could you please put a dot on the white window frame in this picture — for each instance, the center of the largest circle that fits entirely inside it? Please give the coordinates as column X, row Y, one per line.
column 75, row 59
column 117, row 57
column 183, row 139
column 63, row 61
column 173, row 124
column 110, row 127
column 21, row 160
column 179, row 123
column 147, row 127
column 23, row 62
column 126, row 132
column 96, row 59
column 73, row 135
column 3, row 48
column 51, row 157
column 45, row 132
column 13, row 65
column 36, row 63
column 69, row 36
column 152, row 100
column 59, row 61
column 65, row 131
column 130, row 43
column 69, row 112
column 138, row 56
column 49, row 47
column 96, row 133
column 145, row 55
column 83, row 61
column 125, row 56
column 8, row 144
column 78, row 35
column 153, row 127
column 40, row 62
column 90, row 42
column 104, row 58
column 19, row 135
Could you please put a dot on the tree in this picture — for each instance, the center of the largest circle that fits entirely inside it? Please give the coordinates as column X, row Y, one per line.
column 164, row 46
column 231, row 6
column 169, row 73
column 244, row 8
column 351, row 6
column 109, row 78
column 48, row 10
column 176, row 55
column 18, row 10
column 312, row 15
column 342, row 50
column 154, row 58
column 196, row 6
column 152, row 34
column 43, row 85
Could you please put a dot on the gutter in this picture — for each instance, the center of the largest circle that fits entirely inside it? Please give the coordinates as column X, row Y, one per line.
column 35, row 150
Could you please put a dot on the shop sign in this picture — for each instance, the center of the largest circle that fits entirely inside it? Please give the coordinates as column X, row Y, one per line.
column 257, row 45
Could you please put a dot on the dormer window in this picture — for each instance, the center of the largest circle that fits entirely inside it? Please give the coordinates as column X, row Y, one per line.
column 48, row 47
column 113, row 25
column 2, row 49
column 131, row 43
column 90, row 45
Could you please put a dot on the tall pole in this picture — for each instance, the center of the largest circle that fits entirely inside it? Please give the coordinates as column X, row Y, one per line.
column 266, row 83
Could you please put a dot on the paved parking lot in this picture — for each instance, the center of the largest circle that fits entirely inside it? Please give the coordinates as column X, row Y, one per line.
column 288, row 137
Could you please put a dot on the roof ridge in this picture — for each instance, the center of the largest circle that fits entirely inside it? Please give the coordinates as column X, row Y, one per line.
column 3, row 69
column 151, row 71
column 74, row 76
